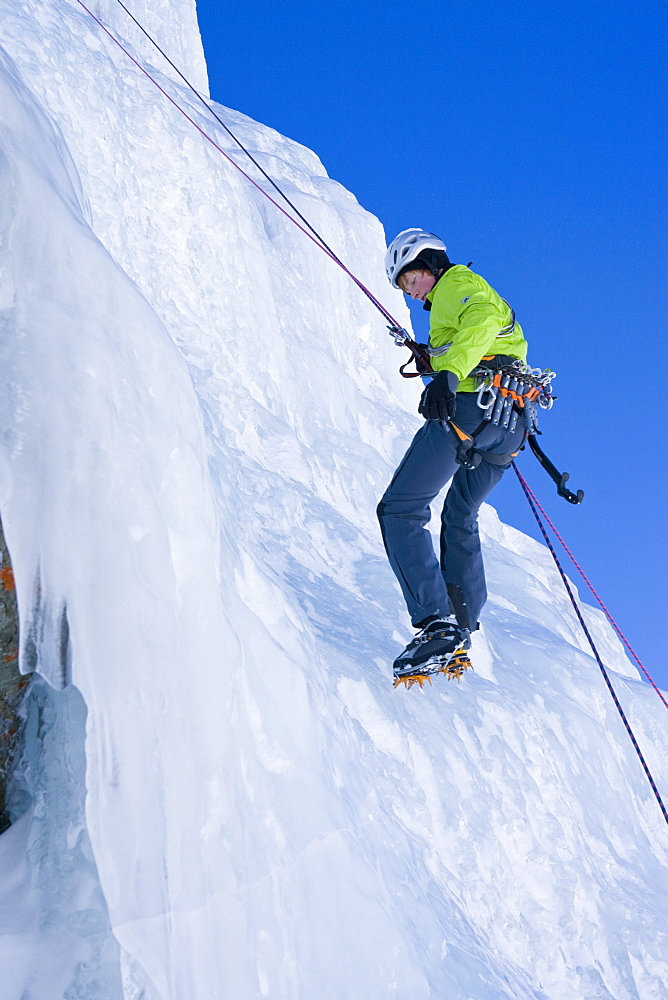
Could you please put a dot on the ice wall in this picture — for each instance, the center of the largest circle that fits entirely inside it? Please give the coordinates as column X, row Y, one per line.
column 199, row 412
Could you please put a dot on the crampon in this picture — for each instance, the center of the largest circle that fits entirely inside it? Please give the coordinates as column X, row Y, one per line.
column 453, row 666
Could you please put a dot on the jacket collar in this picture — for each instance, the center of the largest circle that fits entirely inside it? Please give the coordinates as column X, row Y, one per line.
column 430, row 295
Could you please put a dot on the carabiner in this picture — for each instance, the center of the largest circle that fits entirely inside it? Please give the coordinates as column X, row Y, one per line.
column 486, row 387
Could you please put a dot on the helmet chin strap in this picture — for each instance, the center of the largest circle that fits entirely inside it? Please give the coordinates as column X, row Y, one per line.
column 438, row 272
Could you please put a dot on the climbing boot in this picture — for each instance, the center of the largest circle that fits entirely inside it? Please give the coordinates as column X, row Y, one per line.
column 438, row 648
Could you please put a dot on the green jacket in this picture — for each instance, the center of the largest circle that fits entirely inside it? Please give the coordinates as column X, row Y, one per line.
column 467, row 314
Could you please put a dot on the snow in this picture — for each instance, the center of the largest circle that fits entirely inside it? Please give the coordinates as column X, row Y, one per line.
column 173, row 25
column 221, row 795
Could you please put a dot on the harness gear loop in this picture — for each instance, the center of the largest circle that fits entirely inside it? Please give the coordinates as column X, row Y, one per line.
column 466, row 454
column 510, row 390
column 469, row 456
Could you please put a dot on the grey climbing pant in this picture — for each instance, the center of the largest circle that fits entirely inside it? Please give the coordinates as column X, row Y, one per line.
column 455, row 583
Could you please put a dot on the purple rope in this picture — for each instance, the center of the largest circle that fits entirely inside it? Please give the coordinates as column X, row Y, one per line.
column 229, row 131
column 528, row 494
column 318, row 242
column 602, row 606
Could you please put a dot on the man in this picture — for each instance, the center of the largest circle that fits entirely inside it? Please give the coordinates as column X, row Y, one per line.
column 469, row 322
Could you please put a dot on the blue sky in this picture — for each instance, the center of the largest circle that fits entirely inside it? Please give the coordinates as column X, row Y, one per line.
column 531, row 136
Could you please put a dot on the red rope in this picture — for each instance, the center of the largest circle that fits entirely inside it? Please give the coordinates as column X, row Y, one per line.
column 600, row 602
column 229, row 131
column 318, row 242
column 648, row 773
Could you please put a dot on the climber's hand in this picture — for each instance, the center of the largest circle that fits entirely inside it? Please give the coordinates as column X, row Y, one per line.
column 439, row 399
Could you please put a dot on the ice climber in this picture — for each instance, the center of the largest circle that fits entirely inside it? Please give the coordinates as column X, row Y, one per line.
column 469, row 322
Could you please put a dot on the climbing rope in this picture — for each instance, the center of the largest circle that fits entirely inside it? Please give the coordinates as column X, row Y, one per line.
column 400, row 335
column 602, row 606
column 229, row 131
column 530, row 497
column 395, row 328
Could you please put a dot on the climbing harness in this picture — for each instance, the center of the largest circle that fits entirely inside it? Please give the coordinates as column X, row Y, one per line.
column 533, row 504
column 508, row 388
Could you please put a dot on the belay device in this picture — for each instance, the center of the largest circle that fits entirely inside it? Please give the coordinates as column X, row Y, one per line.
column 507, row 390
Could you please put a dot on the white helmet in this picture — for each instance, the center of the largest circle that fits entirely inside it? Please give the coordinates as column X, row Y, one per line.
column 405, row 247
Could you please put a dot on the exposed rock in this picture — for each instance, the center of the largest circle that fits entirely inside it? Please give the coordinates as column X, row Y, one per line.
column 12, row 684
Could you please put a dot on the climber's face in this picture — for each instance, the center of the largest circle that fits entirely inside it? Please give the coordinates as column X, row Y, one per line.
column 416, row 284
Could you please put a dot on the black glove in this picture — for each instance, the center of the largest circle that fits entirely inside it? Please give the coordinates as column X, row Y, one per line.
column 439, row 399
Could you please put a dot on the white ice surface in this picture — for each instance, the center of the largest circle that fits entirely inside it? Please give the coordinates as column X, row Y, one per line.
column 198, row 414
